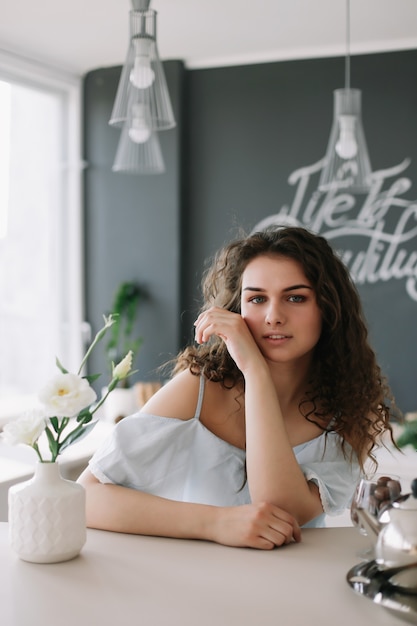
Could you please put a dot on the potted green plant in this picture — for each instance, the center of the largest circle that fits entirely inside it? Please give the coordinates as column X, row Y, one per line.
column 408, row 434
column 127, row 298
column 125, row 308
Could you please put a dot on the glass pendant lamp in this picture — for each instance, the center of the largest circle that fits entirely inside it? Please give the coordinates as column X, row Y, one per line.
column 139, row 150
column 143, row 74
column 347, row 165
column 138, row 158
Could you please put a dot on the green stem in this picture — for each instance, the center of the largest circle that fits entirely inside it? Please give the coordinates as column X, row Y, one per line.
column 87, row 354
column 62, row 426
column 78, row 429
column 97, row 338
column 36, row 448
column 110, row 388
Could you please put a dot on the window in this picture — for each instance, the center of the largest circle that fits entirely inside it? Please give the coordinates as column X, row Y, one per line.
column 40, row 228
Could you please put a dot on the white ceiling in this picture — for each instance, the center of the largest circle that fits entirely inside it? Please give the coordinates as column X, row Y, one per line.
column 81, row 35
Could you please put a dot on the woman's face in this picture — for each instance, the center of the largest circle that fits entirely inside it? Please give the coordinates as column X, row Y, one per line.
column 279, row 306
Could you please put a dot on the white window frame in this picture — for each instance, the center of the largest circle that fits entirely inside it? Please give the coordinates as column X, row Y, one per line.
column 16, row 69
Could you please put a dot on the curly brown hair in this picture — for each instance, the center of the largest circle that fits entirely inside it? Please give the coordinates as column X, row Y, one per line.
column 346, row 382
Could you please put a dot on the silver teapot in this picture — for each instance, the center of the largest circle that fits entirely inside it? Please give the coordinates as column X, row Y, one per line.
column 394, row 534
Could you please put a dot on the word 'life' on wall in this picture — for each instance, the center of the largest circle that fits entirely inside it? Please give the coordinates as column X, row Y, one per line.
column 386, row 222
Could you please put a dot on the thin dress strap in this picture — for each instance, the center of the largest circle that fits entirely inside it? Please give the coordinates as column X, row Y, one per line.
column 330, row 425
column 200, row 398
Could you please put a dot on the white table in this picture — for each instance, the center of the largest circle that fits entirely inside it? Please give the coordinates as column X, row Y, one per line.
column 148, row 581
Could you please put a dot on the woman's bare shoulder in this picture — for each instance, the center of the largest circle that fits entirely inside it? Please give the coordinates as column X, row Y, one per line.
column 223, row 412
column 177, row 398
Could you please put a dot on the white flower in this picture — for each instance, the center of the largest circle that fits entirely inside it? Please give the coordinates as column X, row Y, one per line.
column 121, row 370
column 26, row 429
column 66, row 395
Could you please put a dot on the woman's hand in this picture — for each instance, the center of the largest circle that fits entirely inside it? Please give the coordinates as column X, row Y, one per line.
column 262, row 525
column 232, row 328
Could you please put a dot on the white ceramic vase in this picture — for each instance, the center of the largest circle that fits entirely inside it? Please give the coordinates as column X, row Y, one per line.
column 47, row 517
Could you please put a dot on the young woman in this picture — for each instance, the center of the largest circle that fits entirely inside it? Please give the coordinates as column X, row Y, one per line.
column 267, row 421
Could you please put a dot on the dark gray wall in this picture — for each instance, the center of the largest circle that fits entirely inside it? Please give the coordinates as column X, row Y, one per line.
column 132, row 224
column 250, row 127
column 244, row 131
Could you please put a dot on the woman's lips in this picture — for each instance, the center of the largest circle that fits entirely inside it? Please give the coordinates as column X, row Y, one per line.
column 276, row 337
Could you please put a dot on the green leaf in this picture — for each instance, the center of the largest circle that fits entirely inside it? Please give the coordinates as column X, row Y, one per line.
column 85, row 416
column 90, row 378
column 76, row 435
column 53, row 445
column 55, row 423
column 60, row 366
column 64, row 423
column 126, row 302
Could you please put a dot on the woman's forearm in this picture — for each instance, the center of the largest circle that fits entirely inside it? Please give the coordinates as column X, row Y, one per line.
column 274, row 474
column 121, row 509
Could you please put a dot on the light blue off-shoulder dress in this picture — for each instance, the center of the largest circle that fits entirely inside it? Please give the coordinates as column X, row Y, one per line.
column 183, row 460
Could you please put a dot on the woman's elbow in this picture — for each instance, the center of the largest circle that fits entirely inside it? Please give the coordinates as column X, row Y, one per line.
column 95, row 502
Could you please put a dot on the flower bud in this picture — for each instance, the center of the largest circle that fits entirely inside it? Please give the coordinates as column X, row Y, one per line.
column 121, row 370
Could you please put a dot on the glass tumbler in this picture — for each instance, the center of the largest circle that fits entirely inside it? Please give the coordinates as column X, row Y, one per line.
column 375, row 495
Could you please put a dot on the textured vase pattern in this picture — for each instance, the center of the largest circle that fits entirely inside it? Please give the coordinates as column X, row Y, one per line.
column 47, row 517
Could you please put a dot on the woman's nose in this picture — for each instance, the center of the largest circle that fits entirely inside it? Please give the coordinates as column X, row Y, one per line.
column 274, row 315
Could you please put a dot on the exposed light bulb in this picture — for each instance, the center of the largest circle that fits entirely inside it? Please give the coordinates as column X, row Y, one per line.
column 346, row 146
column 142, row 75
column 139, row 135
column 139, row 131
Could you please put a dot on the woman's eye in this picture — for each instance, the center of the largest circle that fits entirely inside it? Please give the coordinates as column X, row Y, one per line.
column 296, row 299
column 257, row 299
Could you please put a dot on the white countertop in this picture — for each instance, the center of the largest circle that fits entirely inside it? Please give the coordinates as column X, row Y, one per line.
column 149, row 581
